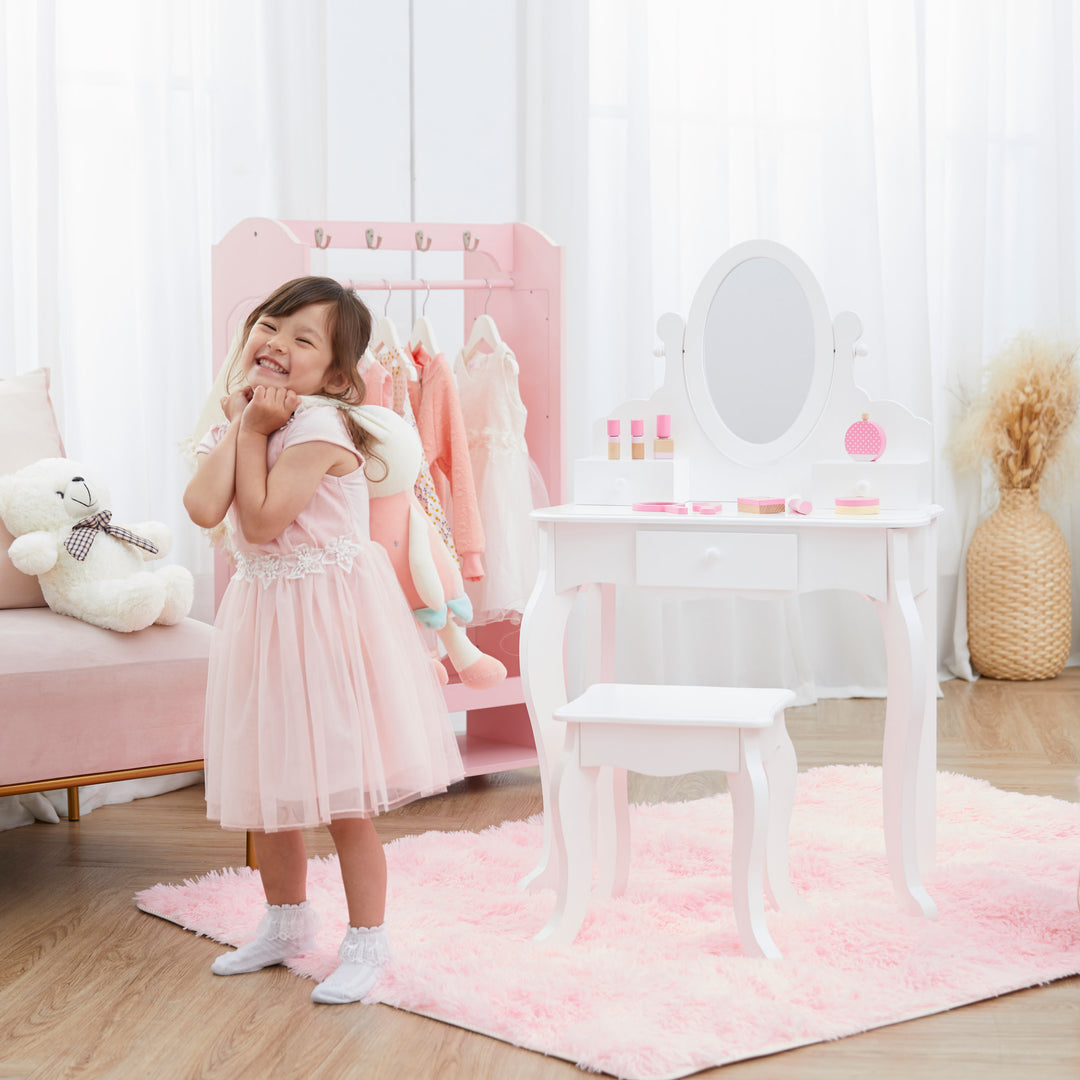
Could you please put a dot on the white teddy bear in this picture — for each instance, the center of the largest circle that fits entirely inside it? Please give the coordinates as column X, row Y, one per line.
column 87, row 566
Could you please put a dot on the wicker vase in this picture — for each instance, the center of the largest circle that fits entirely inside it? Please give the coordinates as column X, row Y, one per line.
column 1019, row 599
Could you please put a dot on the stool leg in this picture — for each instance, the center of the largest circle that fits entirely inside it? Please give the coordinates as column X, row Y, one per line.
column 750, row 812
column 574, row 790
column 612, row 842
column 781, row 770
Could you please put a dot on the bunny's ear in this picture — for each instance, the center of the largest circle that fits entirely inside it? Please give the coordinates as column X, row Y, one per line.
column 379, row 422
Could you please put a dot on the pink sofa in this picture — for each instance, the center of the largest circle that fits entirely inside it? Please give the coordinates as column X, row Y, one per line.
column 78, row 704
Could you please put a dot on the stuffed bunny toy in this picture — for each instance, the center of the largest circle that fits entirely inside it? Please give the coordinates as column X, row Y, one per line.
column 426, row 570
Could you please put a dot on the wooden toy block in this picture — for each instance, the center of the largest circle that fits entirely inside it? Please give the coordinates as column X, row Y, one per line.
column 761, row 506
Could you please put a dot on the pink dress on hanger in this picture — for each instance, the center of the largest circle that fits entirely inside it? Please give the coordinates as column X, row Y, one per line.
column 321, row 701
column 439, row 420
column 508, row 483
column 377, row 382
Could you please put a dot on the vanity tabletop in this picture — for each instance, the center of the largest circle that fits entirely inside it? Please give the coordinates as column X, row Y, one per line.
column 581, row 513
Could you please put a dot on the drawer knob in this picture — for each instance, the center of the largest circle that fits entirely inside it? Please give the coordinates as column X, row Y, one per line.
column 712, row 553
column 620, row 483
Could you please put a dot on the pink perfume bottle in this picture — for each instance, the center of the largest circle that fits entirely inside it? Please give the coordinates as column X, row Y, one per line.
column 865, row 440
column 663, row 444
column 614, row 447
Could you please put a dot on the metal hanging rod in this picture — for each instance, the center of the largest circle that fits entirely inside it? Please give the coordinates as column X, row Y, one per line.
column 382, row 284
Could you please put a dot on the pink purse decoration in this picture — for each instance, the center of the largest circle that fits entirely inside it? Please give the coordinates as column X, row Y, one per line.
column 865, row 440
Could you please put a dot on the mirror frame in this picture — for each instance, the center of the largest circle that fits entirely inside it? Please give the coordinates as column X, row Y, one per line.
column 824, row 352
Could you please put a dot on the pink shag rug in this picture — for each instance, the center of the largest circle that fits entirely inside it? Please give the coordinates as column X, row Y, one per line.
column 655, row 985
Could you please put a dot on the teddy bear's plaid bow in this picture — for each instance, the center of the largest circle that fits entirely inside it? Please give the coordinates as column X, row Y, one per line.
column 83, row 532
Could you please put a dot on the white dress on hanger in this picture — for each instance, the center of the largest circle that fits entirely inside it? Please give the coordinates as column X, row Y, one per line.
column 508, row 483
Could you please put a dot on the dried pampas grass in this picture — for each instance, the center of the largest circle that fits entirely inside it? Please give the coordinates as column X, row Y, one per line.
column 1022, row 421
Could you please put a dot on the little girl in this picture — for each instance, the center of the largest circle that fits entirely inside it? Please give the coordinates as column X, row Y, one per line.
column 322, row 707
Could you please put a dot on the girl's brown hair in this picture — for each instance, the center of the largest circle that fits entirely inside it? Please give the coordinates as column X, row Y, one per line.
column 349, row 326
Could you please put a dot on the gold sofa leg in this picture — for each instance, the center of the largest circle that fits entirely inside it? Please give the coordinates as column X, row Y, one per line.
column 73, row 803
column 251, row 860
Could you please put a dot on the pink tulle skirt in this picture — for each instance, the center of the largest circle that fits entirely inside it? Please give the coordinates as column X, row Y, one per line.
column 321, row 700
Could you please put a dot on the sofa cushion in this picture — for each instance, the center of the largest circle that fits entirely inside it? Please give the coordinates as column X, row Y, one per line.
column 76, row 699
column 28, row 432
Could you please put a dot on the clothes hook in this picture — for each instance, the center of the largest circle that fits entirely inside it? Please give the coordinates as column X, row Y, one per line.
column 466, row 237
column 420, row 245
column 427, row 295
column 372, row 241
column 389, row 290
column 487, row 281
column 319, row 239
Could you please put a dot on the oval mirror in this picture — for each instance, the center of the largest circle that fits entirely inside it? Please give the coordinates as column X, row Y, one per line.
column 758, row 352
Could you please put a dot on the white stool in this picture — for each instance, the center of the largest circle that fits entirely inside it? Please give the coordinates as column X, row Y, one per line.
column 668, row 731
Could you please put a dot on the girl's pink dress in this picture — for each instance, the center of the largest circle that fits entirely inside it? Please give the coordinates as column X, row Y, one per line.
column 321, row 699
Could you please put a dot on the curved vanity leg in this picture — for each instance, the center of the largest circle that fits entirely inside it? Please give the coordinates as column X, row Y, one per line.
column 600, row 668
column 543, row 682
column 573, row 847
column 906, row 717
column 613, row 848
column 750, row 811
column 926, row 792
column 781, row 771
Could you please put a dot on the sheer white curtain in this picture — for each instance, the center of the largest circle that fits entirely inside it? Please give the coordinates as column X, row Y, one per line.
column 919, row 156
column 134, row 132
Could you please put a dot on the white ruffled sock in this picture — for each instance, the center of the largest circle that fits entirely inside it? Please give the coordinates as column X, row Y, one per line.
column 363, row 954
column 286, row 930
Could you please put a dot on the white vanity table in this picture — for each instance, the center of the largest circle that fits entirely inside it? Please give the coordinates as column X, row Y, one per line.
column 760, row 391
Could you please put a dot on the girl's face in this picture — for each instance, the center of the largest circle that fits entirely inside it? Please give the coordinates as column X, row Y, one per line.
column 291, row 351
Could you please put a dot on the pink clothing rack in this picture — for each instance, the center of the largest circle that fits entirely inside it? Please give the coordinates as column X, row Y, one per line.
column 512, row 272
column 383, row 285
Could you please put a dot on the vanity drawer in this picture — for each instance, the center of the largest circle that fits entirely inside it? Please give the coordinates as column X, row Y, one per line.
column 599, row 482
column 718, row 560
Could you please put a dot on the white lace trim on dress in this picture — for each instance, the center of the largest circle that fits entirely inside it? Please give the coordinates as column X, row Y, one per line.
column 298, row 563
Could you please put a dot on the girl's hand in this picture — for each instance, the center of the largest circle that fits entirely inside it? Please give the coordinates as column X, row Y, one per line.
column 232, row 405
column 270, row 408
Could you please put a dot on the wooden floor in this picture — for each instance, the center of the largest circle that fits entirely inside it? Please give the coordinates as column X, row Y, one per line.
column 91, row 987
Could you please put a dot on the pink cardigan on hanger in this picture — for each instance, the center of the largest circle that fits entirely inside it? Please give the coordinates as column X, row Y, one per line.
column 379, row 383
column 442, row 431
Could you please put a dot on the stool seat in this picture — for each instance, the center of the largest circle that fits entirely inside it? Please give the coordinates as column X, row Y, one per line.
column 634, row 703
column 667, row 731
